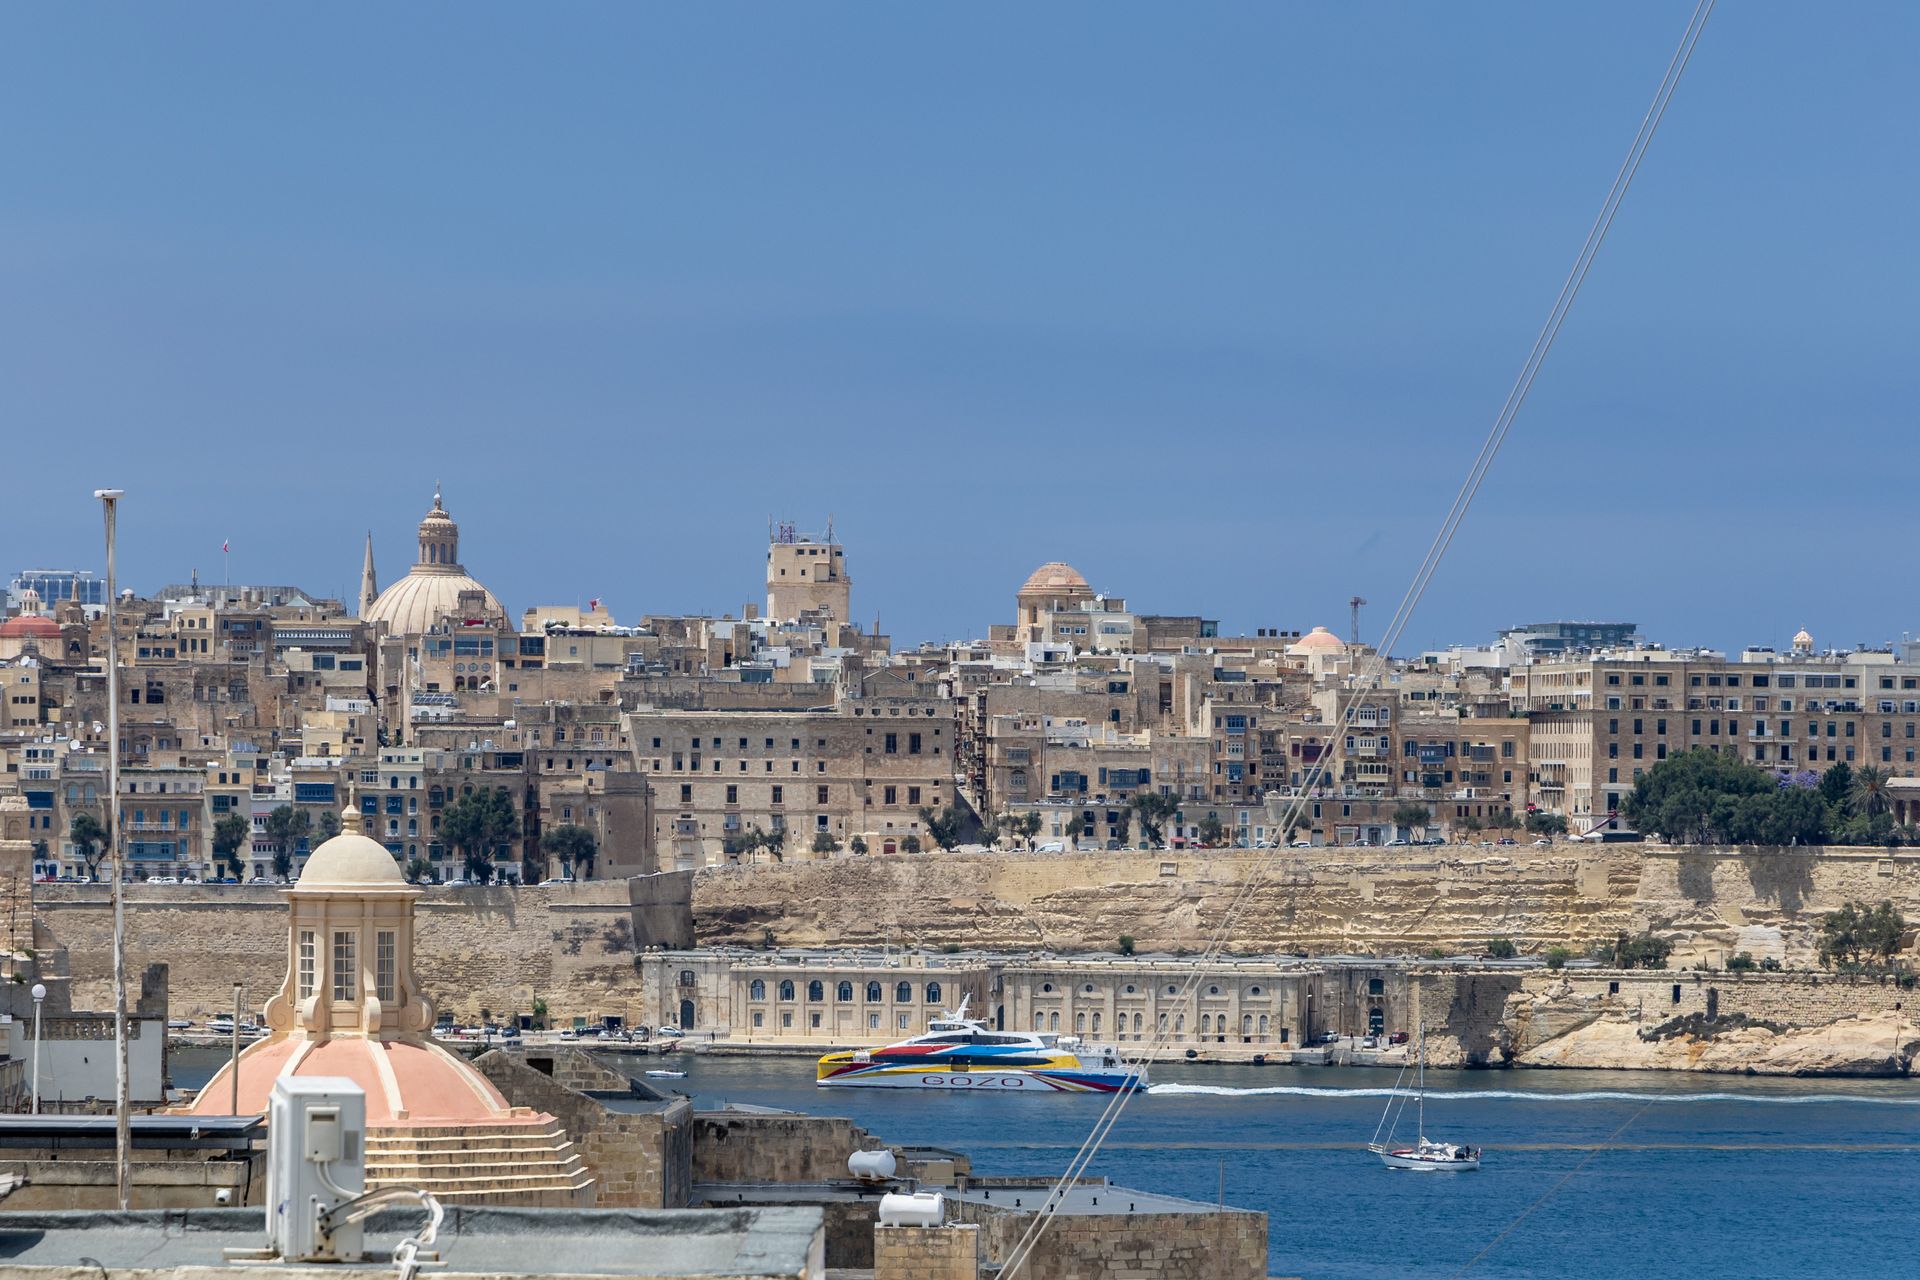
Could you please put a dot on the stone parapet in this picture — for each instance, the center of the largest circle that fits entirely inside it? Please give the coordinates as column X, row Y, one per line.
column 926, row 1253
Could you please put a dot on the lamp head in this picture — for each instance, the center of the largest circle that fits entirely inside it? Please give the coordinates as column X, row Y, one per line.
column 39, row 992
column 108, row 495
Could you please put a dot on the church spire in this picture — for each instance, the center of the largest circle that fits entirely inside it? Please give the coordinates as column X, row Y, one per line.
column 369, row 587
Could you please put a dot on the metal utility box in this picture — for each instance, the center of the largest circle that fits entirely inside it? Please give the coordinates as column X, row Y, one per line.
column 316, row 1161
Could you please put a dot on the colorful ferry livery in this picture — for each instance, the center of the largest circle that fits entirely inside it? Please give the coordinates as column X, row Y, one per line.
column 958, row 1052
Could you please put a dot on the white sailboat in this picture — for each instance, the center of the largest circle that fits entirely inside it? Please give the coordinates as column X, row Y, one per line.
column 1425, row 1155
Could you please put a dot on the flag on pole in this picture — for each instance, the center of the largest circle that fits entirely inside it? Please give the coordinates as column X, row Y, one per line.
column 223, row 546
column 593, row 605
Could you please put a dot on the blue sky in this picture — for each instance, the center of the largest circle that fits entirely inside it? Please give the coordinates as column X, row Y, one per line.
column 1214, row 303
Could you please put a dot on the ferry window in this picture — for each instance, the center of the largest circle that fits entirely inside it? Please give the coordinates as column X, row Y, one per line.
column 873, row 995
column 756, row 990
column 844, row 992
column 933, row 993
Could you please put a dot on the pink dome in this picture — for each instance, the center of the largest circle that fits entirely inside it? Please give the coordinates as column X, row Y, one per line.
column 29, row 625
column 1317, row 641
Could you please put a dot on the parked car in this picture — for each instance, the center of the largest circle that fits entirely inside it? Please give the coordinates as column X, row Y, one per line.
column 1371, row 1042
column 669, row 1033
column 457, row 884
column 1330, row 1037
column 189, row 879
column 1398, row 1037
column 1303, row 844
column 165, row 880
column 546, row 884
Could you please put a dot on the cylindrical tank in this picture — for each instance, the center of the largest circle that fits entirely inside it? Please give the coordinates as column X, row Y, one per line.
column 871, row 1166
column 921, row 1209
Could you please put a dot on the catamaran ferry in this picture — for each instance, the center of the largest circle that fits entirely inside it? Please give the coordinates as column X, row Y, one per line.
column 958, row 1052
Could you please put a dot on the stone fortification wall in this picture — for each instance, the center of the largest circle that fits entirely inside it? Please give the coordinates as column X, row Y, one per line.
column 1321, row 900
column 491, row 949
column 749, row 1147
column 1230, row 1245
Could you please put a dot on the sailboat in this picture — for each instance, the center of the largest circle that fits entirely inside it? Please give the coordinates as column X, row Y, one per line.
column 1425, row 1155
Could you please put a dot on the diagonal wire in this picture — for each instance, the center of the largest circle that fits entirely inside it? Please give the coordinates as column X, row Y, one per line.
column 1260, row 870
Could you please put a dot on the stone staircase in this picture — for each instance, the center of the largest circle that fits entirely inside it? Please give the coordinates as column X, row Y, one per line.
column 527, row 1165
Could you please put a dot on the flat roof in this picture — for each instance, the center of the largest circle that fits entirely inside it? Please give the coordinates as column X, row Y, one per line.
column 1084, row 1200
column 757, row 1241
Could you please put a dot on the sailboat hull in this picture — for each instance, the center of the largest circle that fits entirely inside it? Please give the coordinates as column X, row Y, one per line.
column 1416, row 1161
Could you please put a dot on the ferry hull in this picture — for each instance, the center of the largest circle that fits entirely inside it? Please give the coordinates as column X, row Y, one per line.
column 1064, row 1081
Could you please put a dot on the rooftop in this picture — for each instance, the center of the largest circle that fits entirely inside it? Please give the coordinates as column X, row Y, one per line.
column 763, row 1241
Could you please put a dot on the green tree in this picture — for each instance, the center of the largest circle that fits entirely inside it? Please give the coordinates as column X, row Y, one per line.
column 1709, row 797
column 1836, row 786
column 571, row 846
column 1027, row 826
column 1411, row 816
column 823, row 842
column 1557, row 957
column 1076, row 826
column 1126, row 944
column 1474, row 823
column 1212, row 832
column 1502, row 949
column 1542, row 823
column 859, row 845
column 1741, row 962
column 89, row 841
column 1857, row 933
column 1154, row 810
column 326, row 827
column 229, row 833
column 1869, row 795
column 480, row 825
column 418, row 870
column 1644, row 951
column 910, row 845
column 947, row 826
column 286, row 828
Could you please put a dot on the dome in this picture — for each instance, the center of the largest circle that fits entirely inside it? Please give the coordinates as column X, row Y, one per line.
column 434, row 583
column 351, row 862
column 1803, row 639
column 1056, row 578
column 1317, row 641
column 29, row 625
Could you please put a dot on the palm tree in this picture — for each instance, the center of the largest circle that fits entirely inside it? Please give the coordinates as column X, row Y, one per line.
column 1868, row 795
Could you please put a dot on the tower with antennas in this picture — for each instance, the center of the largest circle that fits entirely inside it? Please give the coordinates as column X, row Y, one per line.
column 806, row 573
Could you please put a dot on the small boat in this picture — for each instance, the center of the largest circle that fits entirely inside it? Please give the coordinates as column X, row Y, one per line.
column 962, row 1053
column 668, row 1075
column 1425, row 1155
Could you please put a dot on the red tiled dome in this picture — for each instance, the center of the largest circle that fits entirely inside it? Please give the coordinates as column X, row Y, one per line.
column 31, row 625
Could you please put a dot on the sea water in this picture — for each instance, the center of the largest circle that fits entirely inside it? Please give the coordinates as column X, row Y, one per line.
column 1588, row 1174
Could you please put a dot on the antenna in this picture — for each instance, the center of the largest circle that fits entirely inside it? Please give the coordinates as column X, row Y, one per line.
column 1355, row 604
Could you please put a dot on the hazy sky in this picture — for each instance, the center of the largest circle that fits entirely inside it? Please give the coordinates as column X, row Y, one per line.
column 1214, row 302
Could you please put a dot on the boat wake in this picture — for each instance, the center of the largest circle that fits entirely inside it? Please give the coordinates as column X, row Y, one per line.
column 1524, row 1095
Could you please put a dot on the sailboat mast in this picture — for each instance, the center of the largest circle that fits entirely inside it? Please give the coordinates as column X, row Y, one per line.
column 1420, row 1078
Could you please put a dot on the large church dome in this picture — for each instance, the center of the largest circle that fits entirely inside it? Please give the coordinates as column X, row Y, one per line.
column 433, row 586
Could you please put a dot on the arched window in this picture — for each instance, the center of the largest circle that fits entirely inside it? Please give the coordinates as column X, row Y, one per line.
column 903, row 993
column 1163, row 1024
column 1263, row 1026
column 756, row 990
column 933, row 993
column 1053, row 1020
column 844, row 992
column 1079, row 1023
column 786, row 989
column 816, row 992
column 1039, row 1020
column 1137, row 1025
column 1206, row 1024
column 686, row 977
column 1246, row 1024
column 1180, row 1024
column 873, row 993
column 1096, row 1023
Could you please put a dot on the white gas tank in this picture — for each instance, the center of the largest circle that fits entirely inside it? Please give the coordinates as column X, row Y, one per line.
column 920, row 1209
column 872, row 1166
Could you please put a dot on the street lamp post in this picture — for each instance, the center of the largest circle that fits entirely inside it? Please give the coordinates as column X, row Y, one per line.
column 122, row 1129
column 39, row 994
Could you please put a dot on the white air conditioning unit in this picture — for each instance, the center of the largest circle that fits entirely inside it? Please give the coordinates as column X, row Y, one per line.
column 316, row 1161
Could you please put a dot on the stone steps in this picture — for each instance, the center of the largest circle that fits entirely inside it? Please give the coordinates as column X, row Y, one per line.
column 482, row 1164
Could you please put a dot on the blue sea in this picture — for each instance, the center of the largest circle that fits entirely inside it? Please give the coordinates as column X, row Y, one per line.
column 1709, row 1177
column 1595, row 1175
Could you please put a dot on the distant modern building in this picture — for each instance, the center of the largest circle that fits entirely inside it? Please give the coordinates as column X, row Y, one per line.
column 1552, row 639
column 56, row 586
